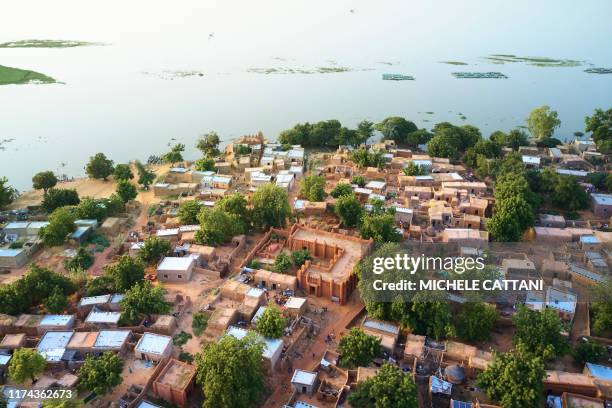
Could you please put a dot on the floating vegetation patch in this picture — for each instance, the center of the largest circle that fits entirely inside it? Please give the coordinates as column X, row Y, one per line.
column 387, row 63
column 470, row 75
column 397, row 77
column 454, row 62
column 598, row 70
column 4, row 142
column 170, row 74
column 16, row 76
column 534, row 61
column 316, row 70
column 430, row 113
column 47, row 44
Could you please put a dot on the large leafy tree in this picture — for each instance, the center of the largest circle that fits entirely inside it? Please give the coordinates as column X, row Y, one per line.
column 123, row 172
column 368, row 157
column 312, row 188
column 569, row 194
column 205, row 164
column 145, row 176
column 341, row 189
column 414, row 170
column 446, row 142
column 358, row 348
column 589, row 352
column 143, row 299
column 271, row 323
column 57, row 302
column 217, row 226
column 175, row 154
column 44, row 180
column 188, row 212
column 389, row 388
column 516, row 138
column 396, row 128
column 26, row 364
column 126, row 272
column 600, row 124
column 231, row 373
column 61, row 223
column 82, row 260
column 153, row 249
column 90, row 208
column 540, row 332
column 101, row 374
column 542, row 122
column 601, row 308
column 60, row 197
column 475, row 321
column 126, row 191
column 365, row 130
column 511, row 219
column 514, row 379
column 208, row 144
column 7, row 193
column 99, row 167
column 380, row 227
column 236, row 205
column 430, row 315
column 270, row 207
column 348, row 209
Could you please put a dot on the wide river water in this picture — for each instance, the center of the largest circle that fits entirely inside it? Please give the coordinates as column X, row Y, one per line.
column 118, row 99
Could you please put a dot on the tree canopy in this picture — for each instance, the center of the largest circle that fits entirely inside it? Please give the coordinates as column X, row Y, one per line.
column 449, row 140
column 126, row 191
column 341, row 189
column 60, row 197
column 7, row 193
column 398, row 129
column 540, row 332
column 26, row 364
column 61, row 223
column 175, row 154
column 125, row 273
column 312, row 188
column 217, row 226
column 205, row 164
column 368, row 157
column 349, row 210
column 188, row 212
column 271, row 323
column 99, row 167
column 123, row 172
column 601, row 308
column 82, row 260
column 282, row 263
column 153, row 249
column 231, row 373
column 143, row 299
column 236, row 205
column 379, row 226
column 542, row 122
column 270, row 207
column 326, row 133
column 44, row 180
column 358, row 348
column 389, row 388
column 101, row 374
column 145, row 176
column 475, row 321
column 600, row 124
column 208, row 144
column 57, row 302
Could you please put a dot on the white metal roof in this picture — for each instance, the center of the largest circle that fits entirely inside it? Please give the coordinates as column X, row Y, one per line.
column 295, row 302
column 304, row 377
column 152, row 343
column 271, row 345
column 381, row 326
column 602, row 199
column 111, row 338
column 56, row 320
column 94, row 300
column 53, row 344
column 167, row 232
column 98, row 316
column 375, row 184
column 170, row 263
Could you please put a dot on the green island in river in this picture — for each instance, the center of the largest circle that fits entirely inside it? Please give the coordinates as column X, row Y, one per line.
column 46, row 44
column 16, row 76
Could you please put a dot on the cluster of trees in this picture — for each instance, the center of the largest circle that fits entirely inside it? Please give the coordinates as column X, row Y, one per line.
column 601, row 308
column 175, row 154
column 38, row 286
column 561, row 191
column 118, row 277
column 389, row 388
column 449, row 140
column 403, row 131
column 101, row 167
column 327, row 133
column 208, row 144
column 600, row 124
column 358, row 349
column 414, row 170
column 312, row 188
column 271, row 323
column 363, row 157
column 7, row 193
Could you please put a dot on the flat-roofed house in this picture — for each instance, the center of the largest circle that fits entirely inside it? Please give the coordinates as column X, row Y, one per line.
column 52, row 345
column 554, row 221
column 304, row 382
column 154, row 347
column 174, row 269
column 524, row 267
column 13, row 258
column 175, row 382
column 388, row 333
column 602, row 205
column 296, row 306
column 83, row 341
column 87, row 303
column 101, row 318
column 112, row 340
column 13, row 341
column 569, row 400
column 55, row 322
column 464, row 235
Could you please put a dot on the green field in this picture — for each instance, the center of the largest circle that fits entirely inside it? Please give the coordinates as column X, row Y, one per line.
column 45, row 44
column 16, row 76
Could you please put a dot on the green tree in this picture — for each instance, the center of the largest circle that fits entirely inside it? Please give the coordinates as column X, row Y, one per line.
column 7, row 193
column 217, row 227
column 514, row 379
column 82, row 260
column 600, row 124
column 601, row 308
column 126, row 191
column 271, row 324
column 60, row 197
column 414, row 170
column 349, row 210
column 26, row 364
column 511, row 219
column 358, row 349
column 99, row 167
column 230, row 372
column 589, row 352
column 236, row 205
column 312, row 188
column 153, row 249
column 341, row 189
column 389, row 388
column 188, row 212
column 145, row 177
column 90, row 208
column 475, row 321
column 64, row 403
column 540, row 332
column 100, row 285
column 359, row 180
column 542, row 122
column 143, row 299
column 367, row 158
column 56, row 302
column 61, row 223
column 208, row 144
column 396, row 128
column 205, row 164
column 123, row 172
column 516, row 138
column 126, row 272
column 175, row 154
column 365, row 130
column 446, row 142
column 380, row 227
column 569, row 194
column 44, row 180
column 101, row 374
column 299, row 257
column 430, row 315
column 282, row 263
column 270, row 207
